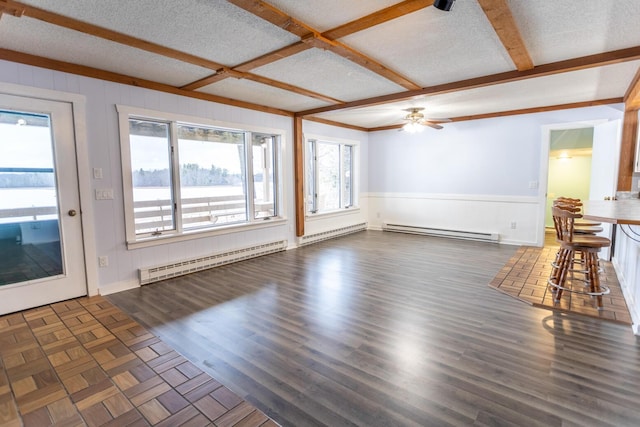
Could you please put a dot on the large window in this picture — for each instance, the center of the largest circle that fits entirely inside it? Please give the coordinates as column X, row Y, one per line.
column 182, row 177
column 329, row 175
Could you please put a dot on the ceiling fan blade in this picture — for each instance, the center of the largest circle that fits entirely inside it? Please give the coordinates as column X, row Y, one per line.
column 433, row 125
column 438, row 120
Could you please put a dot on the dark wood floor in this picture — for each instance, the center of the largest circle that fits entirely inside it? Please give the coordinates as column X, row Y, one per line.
column 385, row 329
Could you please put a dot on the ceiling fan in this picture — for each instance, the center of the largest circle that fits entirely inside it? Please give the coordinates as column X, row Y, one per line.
column 416, row 121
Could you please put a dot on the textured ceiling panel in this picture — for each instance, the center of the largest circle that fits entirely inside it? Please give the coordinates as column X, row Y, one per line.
column 246, row 90
column 429, row 47
column 558, row 30
column 578, row 86
column 212, row 29
column 38, row 38
column 433, row 47
column 329, row 74
column 323, row 15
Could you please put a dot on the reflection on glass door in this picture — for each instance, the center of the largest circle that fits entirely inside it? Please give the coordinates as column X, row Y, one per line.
column 29, row 228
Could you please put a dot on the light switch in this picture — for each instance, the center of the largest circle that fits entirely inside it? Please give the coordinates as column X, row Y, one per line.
column 104, row 194
column 97, row 173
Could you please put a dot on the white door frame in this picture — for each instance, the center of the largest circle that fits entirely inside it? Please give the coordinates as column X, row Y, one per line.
column 78, row 105
column 544, row 168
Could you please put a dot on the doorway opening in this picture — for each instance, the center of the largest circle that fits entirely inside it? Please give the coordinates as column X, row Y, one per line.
column 570, row 155
column 601, row 176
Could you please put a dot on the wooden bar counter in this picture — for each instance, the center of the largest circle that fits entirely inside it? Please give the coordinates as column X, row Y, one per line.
column 613, row 211
column 625, row 217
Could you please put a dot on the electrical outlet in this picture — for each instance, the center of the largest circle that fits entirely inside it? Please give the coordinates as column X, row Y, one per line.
column 513, row 225
column 103, row 261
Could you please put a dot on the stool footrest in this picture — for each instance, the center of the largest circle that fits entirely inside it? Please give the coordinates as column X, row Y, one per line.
column 604, row 290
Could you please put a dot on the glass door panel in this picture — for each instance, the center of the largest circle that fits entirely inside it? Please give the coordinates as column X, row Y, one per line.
column 29, row 226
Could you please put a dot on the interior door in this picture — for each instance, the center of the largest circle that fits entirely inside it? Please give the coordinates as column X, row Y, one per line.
column 604, row 167
column 41, row 246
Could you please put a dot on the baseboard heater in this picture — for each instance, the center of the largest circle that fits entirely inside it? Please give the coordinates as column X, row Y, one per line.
column 167, row 271
column 330, row 234
column 442, row 232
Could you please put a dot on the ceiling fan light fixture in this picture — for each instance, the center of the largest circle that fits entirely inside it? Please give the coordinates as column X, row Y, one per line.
column 413, row 127
column 444, row 5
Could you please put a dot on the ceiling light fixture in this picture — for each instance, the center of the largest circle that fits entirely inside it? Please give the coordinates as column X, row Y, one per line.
column 445, row 5
column 413, row 127
column 414, row 120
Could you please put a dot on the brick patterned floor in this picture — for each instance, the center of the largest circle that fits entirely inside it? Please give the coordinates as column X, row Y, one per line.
column 83, row 362
column 525, row 278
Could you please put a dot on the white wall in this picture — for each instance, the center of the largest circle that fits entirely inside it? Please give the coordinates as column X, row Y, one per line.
column 103, row 148
column 479, row 175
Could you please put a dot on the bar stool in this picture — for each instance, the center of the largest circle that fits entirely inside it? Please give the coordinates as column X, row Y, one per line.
column 580, row 228
column 587, row 247
column 576, row 203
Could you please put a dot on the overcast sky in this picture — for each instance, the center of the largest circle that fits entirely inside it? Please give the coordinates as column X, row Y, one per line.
column 30, row 147
column 150, row 153
column 25, row 146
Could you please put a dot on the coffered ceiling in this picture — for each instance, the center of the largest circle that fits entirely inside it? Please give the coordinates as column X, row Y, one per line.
column 357, row 63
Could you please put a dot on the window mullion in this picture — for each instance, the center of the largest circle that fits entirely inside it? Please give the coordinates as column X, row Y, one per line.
column 314, row 186
column 341, row 176
column 346, row 172
column 248, row 159
column 351, row 175
column 275, row 165
column 175, row 169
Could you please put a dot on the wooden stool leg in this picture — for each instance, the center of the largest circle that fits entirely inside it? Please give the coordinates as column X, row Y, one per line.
column 595, row 280
column 565, row 265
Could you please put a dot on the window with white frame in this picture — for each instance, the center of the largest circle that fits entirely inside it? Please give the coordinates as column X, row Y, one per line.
column 330, row 175
column 182, row 177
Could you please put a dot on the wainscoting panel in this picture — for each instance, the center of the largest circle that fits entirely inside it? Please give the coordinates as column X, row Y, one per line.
column 516, row 220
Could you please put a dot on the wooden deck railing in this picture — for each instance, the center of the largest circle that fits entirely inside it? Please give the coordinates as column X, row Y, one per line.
column 28, row 214
column 157, row 214
column 198, row 211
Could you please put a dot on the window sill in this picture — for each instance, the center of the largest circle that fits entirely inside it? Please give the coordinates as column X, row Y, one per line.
column 200, row 234
column 335, row 213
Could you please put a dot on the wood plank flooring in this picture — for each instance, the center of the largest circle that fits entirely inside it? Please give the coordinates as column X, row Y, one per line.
column 386, row 329
column 85, row 363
